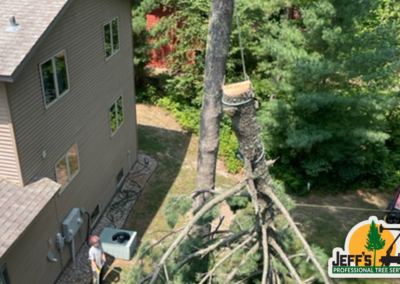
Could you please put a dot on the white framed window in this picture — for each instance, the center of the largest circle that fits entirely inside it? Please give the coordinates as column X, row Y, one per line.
column 111, row 37
column 54, row 77
column 116, row 114
column 68, row 166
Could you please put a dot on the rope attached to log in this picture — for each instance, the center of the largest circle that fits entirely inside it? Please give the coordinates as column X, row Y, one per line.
column 236, row 104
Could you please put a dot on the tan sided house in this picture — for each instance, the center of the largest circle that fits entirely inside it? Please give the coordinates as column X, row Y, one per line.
column 67, row 126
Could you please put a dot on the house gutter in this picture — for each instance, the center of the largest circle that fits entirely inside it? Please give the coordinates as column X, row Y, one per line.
column 7, row 79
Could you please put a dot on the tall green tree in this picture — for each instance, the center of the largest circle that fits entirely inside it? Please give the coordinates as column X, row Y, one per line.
column 333, row 71
column 335, row 76
column 374, row 240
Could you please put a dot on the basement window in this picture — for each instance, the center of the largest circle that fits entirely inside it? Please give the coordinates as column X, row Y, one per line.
column 68, row 167
column 111, row 37
column 54, row 75
column 95, row 215
column 116, row 112
column 120, row 177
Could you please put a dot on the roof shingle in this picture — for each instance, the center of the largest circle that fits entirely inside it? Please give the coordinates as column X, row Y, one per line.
column 16, row 213
column 33, row 18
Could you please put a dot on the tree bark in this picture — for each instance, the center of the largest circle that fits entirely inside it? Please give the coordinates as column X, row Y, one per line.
column 239, row 104
column 216, row 57
column 241, row 108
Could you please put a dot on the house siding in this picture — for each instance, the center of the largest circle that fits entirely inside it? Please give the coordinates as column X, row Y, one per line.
column 79, row 117
column 9, row 163
column 28, row 254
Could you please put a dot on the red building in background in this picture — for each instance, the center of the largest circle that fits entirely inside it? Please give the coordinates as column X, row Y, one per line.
column 158, row 56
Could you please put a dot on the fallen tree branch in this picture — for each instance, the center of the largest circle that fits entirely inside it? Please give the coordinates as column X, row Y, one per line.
column 147, row 278
column 166, row 273
column 310, row 280
column 285, row 260
column 285, row 213
column 228, row 255
column 243, row 262
column 211, row 248
column 297, row 255
column 250, row 276
column 216, row 233
column 265, row 253
column 210, row 204
column 158, row 242
column 218, row 226
column 278, row 281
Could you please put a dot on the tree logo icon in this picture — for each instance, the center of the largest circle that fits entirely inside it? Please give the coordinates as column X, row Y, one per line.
column 370, row 251
column 374, row 240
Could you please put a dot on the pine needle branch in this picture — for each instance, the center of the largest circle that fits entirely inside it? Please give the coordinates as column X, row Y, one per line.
column 209, row 205
column 285, row 260
column 204, row 252
column 226, row 257
column 249, row 277
column 289, row 219
column 243, row 262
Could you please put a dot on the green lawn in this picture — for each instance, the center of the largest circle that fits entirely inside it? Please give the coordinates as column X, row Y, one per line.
column 176, row 153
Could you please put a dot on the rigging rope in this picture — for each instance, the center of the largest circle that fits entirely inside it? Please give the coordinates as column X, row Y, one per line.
column 341, row 207
column 240, row 42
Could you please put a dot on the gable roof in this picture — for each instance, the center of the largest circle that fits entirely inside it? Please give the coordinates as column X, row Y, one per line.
column 19, row 206
column 35, row 18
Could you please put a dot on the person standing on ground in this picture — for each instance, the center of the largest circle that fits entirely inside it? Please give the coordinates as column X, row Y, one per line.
column 97, row 259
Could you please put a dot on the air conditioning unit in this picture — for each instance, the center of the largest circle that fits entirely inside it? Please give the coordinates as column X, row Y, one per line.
column 118, row 243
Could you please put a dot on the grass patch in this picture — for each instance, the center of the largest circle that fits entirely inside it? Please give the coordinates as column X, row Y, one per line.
column 328, row 227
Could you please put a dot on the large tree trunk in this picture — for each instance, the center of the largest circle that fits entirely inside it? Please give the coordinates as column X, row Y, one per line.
column 216, row 57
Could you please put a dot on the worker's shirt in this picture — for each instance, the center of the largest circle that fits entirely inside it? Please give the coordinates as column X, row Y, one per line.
column 95, row 253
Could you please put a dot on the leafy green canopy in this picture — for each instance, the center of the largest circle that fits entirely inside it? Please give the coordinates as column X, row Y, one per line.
column 333, row 71
column 335, row 77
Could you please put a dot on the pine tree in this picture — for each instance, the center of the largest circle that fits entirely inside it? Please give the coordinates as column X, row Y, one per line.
column 374, row 240
column 244, row 244
column 332, row 72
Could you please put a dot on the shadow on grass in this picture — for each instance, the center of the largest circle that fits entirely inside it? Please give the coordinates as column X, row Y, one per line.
column 169, row 148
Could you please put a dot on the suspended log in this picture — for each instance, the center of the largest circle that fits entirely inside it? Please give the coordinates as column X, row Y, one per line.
column 238, row 103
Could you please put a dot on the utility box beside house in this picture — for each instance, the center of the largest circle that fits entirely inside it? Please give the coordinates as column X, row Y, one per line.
column 118, row 243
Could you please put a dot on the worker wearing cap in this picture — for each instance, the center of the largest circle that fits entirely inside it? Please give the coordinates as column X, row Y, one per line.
column 97, row 259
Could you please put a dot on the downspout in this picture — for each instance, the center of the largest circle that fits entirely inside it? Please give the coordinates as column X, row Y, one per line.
column 58, row 230
column 2, row 279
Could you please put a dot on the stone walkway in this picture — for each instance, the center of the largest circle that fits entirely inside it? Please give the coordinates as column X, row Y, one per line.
column 79, row 272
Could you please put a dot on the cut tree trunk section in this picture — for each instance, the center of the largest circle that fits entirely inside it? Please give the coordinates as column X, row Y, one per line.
column 238, row 102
